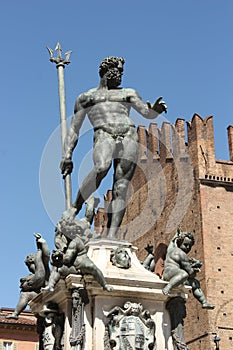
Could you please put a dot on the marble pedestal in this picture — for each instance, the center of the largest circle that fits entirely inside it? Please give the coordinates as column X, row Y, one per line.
column 134, row 284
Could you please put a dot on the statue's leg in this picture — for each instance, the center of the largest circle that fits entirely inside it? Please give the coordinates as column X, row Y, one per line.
column 39, row 276
column 24, row 299
column 102, row 156
column 124, row 167
column 53, row 279
column 88, row 267
column 117, row 206
column 199, row 295
column 180, row 277
column 91, row 203
column 148, row 263
column 42, row 244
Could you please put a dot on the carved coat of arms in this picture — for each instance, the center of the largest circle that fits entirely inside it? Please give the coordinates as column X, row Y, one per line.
column 131, row 328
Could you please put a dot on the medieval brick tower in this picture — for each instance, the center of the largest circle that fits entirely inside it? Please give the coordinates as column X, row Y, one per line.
column 179, row 182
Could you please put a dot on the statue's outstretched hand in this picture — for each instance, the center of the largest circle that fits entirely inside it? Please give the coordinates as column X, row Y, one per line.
column 66, row 167
column 149, row 248
column 159, row 106
column 39, row 238
column 37, row 235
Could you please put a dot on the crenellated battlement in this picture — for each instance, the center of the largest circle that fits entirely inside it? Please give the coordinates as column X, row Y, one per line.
column 169, row 143
column 201, row 147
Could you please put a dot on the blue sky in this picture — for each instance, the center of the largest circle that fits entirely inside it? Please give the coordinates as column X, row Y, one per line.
column 181, row 50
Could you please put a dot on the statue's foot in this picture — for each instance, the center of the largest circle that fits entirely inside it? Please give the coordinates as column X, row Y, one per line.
column 208, row 306
column 111, row 236
column 112, row 233
column 166, row 289
column 69, row 214
column 107, row 287
column 13, row 316
column 47, row 289
column 96, row 235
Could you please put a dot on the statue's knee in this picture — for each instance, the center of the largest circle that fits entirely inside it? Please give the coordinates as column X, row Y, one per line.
column 120, row 187
column 194, row 283
column 184, row 274
column 102, row 169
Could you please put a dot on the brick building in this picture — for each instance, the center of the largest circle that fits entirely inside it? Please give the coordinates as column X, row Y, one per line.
column 18, row 334
column 178, row 181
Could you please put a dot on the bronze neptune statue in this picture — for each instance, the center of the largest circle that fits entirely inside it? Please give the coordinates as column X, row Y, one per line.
column 115, row 137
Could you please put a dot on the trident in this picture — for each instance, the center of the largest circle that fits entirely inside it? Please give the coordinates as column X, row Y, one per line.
column 60, row 64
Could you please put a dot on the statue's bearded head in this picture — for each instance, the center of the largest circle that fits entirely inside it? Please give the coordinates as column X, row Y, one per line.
column 111, row 69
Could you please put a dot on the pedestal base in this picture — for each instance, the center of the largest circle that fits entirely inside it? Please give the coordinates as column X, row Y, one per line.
column 134, row 284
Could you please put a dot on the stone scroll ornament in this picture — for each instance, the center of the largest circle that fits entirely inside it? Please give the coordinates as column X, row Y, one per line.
column 77, row 335
column 130, row 328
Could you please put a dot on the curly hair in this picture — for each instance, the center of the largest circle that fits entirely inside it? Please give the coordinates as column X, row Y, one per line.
column 109, row 62
column 114, row 258
column 183, row 235
column 30, row 259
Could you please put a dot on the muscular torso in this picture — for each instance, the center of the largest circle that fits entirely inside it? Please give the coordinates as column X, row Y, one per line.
column 108, row 109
